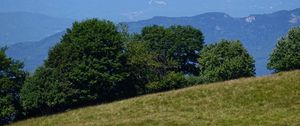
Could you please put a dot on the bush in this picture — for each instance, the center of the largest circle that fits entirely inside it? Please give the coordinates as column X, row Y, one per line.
column 169, row 82
column 224, row 61
column 196, row 80
column 286, row 55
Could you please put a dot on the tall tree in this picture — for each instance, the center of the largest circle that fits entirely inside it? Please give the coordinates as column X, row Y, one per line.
column 88, row 63
column 286, row 55
column 11, row 80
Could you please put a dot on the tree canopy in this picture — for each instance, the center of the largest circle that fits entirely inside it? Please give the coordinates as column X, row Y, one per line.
column 225, row 60
column 179, row 44
column 286, row 54
column 84, row 67
column 11, row 80
column 142, row 65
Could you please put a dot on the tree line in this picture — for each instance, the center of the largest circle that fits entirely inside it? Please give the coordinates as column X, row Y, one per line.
column 98, row 61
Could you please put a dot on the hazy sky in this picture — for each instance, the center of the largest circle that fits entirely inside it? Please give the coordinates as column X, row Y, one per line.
column 130, row 10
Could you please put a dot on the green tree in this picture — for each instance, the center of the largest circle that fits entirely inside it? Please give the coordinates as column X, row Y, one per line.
column 142, row 65
column 11, row 79
column 177, row 46
column 85, row 67
column 286, row 55
column 224, row 61
column 159, row 54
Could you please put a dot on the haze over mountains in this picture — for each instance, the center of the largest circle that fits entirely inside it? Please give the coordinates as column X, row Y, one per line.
column 23, row 26
column 33, row 53
column 259, row 33
column 133, row 10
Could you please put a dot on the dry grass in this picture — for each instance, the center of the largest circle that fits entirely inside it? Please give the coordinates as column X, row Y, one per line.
column 272, row 100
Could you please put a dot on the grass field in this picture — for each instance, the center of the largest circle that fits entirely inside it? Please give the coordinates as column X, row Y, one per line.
column 272, row 100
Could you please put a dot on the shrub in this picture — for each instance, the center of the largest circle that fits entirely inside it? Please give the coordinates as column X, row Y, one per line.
column 171, row 81
column 196, row 80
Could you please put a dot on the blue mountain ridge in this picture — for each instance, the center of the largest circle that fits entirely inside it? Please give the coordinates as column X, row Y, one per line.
column 258, row 32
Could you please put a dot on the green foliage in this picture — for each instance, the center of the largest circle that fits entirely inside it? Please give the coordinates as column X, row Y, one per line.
column 176, row 46
column 169, row 82
column 45, row 90
column 83, row 68
column 158, row 52
column 286, row 55
column 11, row 79
column 224, row 61
column 142, row 66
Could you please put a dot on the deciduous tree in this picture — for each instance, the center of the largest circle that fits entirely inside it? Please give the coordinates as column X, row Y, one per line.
column 85, row 67
column 225, row 60
column 286, row 55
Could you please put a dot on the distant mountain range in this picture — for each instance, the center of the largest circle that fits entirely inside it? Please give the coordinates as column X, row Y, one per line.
column 259, row 34
column 23, row 26
column 33, row 53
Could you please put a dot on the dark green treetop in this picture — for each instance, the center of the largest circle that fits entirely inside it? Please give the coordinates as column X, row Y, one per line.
column 225, row 60
column 179, row 44
column 83, row 68
column 286, row 55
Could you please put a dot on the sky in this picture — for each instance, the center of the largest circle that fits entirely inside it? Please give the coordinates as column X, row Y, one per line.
column 133, row 10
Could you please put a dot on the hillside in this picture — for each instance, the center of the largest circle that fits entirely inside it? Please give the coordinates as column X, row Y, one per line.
column 24, row 27
column 271, row 100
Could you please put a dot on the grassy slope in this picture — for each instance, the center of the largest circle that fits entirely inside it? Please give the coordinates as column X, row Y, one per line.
column 273, row 100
